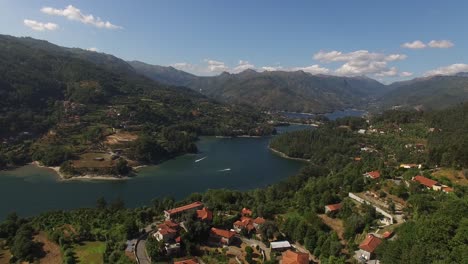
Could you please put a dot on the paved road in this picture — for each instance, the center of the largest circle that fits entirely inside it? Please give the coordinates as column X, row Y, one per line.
column 140, row 249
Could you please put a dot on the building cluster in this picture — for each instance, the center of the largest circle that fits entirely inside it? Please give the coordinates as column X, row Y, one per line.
column 169, row 230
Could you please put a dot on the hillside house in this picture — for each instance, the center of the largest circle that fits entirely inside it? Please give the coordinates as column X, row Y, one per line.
column 431, row 184
column 291, row 257
column 221, row 237
column 205, row 214
column 367, row 248
column 374, row 175
column 331, row 208
column 177, row 212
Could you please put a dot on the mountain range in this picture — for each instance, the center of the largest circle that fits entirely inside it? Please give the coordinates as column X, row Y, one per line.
column 299, row 91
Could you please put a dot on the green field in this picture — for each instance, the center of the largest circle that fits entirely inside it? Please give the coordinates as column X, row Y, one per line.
column 90, row 252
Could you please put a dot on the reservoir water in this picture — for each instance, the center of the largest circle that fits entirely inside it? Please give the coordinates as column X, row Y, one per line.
column 233, row 163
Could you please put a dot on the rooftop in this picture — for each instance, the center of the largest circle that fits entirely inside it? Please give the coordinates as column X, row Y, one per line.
column 205, row 214
column 187, row 261
column 291, row 257
column 222, row 232
column 280, row 244
column 373, row 174
column 184, row 208
column 370, row 243
column 333, row 207
column 425, row 181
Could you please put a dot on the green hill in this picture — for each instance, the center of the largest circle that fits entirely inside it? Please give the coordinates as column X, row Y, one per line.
column 60, row 103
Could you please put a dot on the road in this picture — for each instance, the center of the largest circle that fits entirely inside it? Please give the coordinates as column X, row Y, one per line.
column 140, row 249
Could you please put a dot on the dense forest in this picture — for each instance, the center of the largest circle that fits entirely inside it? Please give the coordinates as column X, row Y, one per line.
column 59, row 104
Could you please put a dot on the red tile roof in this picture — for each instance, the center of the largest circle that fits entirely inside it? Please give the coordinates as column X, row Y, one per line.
column 245, row 222
column 373, row 174
column 178, row 239
column 205, row 214
column 425, row 181
column 333, row 207
column 370, row 243
column 447, row 189
column 184, row 208
column 187, row 261
column 387, row 234
column 291, row 257
column 259, row 220
column 168, row 224
column 246, row 211
column 222, row 232
column 167, row 231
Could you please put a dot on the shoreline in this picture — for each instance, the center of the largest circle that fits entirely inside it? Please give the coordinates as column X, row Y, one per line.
column 281, row 154
column 88, row 177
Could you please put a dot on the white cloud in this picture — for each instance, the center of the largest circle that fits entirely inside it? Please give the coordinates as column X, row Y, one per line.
column 272, row 68
column 242, row 66
column 39, row 26
column 448, row 70
column 313, row 69
column 392, row 72
column 184, row 66
column 361, row 62
column 406, row 74
column 417, row 44
column 92, row 49
column 73, row 13
column 216, row 66
column 441, row 44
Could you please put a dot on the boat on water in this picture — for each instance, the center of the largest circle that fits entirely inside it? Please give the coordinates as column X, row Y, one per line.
column 228, row 169
column 198, row 160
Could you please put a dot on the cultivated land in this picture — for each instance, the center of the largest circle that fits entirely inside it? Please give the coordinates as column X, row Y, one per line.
column 90, row 252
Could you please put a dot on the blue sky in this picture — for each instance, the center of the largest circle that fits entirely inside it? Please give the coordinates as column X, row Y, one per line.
column 208, row 37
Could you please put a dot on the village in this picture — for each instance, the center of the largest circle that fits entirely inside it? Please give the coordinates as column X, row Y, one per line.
column 243, row 242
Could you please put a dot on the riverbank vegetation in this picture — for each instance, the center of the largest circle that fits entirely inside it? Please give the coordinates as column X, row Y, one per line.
column 429, row 225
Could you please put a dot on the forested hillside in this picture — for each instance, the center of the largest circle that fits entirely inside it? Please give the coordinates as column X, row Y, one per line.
column 59, row 104
column 277, row 90
column 434, row 92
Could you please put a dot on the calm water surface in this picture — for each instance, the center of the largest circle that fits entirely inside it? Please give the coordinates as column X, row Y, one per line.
column 234, row 163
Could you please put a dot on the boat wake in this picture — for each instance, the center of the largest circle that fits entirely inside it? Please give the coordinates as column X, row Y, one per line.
column 198, row 160
column 228, row 169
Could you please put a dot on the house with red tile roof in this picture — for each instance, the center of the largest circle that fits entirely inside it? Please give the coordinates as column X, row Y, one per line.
column 176, row 212
column 291, row 257
column 166, row 234
column 367, row 247
column 187, row 261
column 246, row 212
column 167, row 231
column 221, row 236
column 447, row 189
column 331, row 208
column 372, row 174
column 258, row 222
column 245, row 223
column 431, row 184
column 387, row 234
column 205, row 214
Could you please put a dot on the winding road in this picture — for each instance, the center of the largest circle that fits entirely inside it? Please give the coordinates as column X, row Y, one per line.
column 140, row 248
